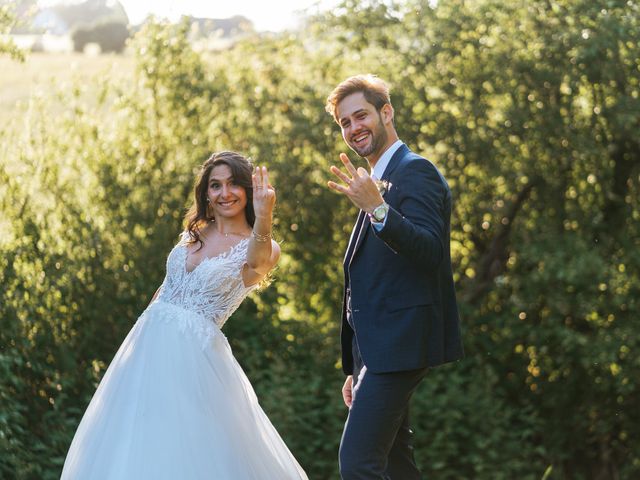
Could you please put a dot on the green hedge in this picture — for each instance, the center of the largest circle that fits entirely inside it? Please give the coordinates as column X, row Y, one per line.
column 530, row 109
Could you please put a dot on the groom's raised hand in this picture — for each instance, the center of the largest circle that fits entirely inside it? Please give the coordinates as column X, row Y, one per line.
column 358, row 185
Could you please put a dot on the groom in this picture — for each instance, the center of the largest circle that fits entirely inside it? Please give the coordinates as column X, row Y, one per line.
column 400, row 315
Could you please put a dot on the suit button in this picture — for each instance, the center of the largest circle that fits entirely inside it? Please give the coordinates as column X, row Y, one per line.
column 356, row 310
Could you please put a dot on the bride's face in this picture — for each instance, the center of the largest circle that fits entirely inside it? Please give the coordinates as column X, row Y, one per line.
column 226, row 197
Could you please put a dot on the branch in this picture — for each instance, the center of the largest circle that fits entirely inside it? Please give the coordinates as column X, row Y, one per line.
column 495, row 258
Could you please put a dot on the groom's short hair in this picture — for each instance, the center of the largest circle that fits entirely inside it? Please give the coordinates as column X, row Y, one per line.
column 375, row 91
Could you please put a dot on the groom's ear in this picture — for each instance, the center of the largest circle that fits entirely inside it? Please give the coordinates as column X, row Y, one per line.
column 386, row 112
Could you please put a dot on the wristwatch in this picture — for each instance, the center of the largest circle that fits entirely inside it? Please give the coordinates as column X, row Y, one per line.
column 380, row 212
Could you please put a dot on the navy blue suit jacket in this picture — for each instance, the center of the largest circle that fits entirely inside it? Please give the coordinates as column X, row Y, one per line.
column 399, row 280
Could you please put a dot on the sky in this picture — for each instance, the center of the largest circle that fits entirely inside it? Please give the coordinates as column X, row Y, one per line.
column 266, row 15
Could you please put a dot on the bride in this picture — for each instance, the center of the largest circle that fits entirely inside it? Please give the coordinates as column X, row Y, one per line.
column 175, row 404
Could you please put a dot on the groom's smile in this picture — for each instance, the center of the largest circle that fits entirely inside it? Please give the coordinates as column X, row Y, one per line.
column 360, row 139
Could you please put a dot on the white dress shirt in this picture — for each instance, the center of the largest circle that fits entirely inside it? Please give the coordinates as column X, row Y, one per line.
column 378, row 171
column 383, row 161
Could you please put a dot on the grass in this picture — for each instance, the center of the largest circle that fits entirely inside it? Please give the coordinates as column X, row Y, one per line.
column 44, row 73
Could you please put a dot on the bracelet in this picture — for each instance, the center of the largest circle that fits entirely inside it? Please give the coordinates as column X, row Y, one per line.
column 261, row 238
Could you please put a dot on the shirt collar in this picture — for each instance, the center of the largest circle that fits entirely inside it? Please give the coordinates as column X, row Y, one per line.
column 383, row 161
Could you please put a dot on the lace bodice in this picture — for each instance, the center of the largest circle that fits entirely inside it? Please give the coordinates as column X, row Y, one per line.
column 213, row 290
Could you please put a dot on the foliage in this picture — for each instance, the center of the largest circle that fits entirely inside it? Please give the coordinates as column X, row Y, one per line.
column 529, row 108
column 7, row 21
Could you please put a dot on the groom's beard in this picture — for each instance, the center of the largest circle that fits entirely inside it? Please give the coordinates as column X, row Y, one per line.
column 378, row 140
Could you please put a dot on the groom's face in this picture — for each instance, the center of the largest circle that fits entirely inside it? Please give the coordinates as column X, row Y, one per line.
column 361, row 125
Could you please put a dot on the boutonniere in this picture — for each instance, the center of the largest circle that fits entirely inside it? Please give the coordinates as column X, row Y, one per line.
column 383, row 186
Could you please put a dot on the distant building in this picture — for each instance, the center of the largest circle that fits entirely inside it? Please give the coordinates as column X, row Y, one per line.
column 74, row 24
column 61, row 19
column 52, row 28
column 210, row 34
column 221, row 27
column 49, row 21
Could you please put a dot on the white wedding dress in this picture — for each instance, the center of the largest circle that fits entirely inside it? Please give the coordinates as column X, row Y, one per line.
column 175, row 404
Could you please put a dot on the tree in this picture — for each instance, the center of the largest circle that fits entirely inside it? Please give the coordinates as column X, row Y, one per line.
column 7, row 22
column 111, row 36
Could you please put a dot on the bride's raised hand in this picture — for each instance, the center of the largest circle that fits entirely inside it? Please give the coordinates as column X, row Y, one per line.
column 264, row 195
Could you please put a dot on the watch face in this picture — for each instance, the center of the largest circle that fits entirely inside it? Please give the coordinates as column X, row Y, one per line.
column 379, row 213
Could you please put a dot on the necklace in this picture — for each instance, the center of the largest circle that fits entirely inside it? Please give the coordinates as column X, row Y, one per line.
column 226, row 235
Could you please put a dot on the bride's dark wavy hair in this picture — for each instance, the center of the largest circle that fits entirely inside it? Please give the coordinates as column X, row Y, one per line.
column 198, row 214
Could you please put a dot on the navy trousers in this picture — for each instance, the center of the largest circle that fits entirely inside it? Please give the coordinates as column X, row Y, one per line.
column 376, row 441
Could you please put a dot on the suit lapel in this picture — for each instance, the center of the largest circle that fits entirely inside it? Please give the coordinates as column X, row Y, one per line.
column 366, row 223
column 355, row 236
column 395, row 160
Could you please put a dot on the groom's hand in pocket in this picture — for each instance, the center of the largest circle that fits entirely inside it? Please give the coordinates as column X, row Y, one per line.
column 347, row 391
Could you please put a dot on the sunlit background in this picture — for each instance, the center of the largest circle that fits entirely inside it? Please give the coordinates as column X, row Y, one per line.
column 272, row 15
column 531, row 109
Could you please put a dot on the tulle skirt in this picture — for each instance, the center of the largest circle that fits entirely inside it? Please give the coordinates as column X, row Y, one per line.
column 175, row 404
